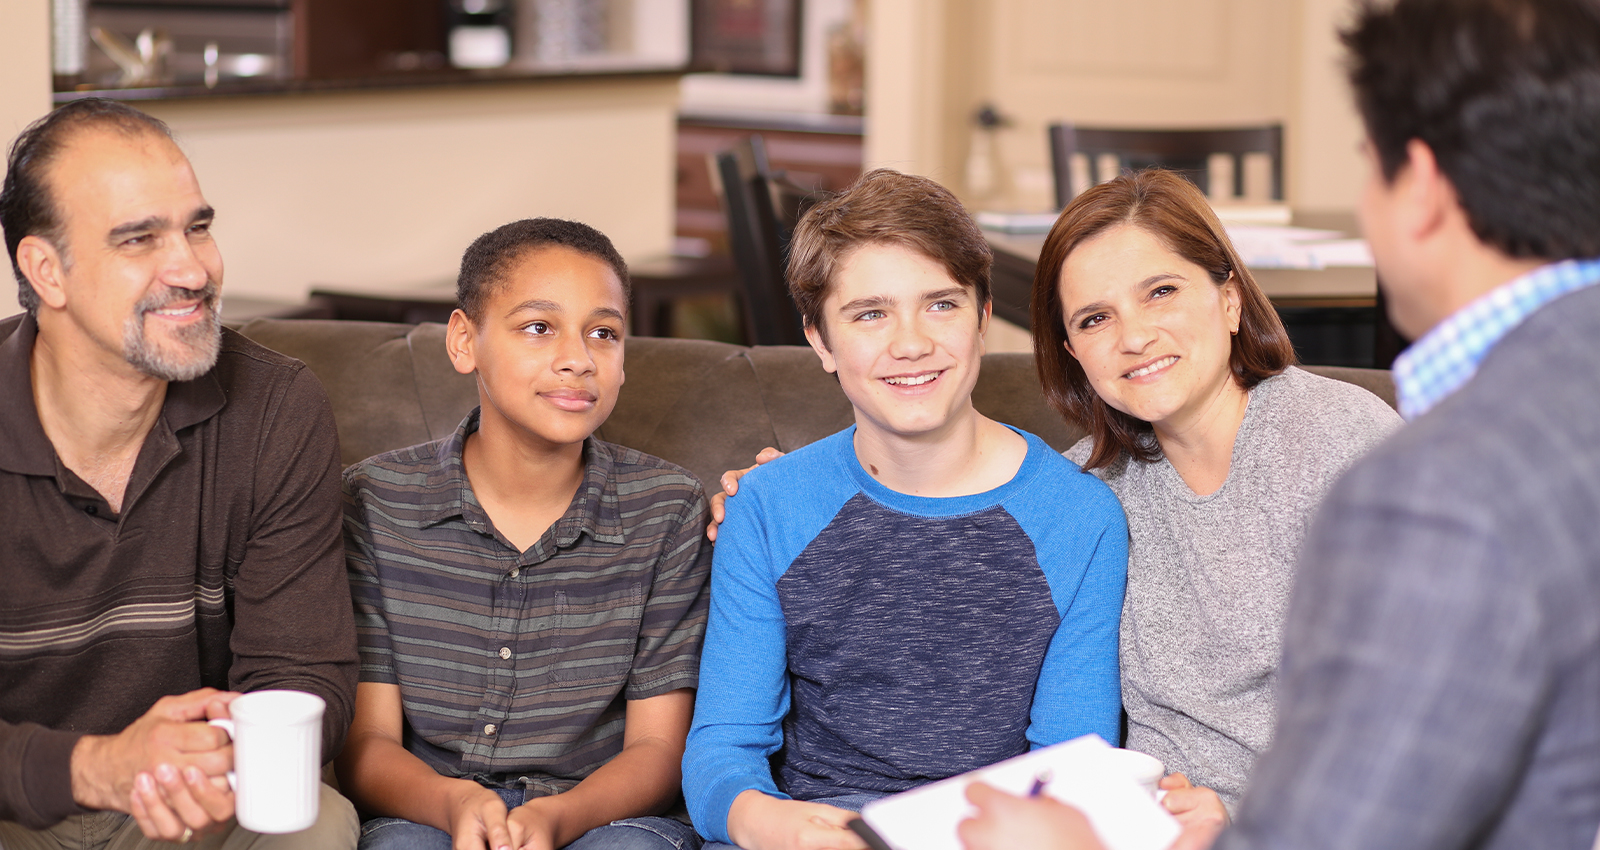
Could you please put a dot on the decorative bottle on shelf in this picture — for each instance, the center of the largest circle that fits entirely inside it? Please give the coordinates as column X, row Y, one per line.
column 480, row 33
column 69, row 41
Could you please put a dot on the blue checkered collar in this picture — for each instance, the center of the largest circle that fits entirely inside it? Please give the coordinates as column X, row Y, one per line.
column 1445, row 358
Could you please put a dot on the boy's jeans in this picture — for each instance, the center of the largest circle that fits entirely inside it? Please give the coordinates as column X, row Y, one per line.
column 629, row 834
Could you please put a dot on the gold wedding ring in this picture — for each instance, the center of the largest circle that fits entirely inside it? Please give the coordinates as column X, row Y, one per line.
column 188, row 835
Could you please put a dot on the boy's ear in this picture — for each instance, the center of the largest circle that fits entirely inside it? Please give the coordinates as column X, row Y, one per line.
column 459, row 339
column 814, row 336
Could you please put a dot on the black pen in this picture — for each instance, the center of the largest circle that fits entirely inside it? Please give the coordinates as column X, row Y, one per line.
column 1038, row 784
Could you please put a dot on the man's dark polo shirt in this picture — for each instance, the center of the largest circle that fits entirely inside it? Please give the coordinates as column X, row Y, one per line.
column 224, row 568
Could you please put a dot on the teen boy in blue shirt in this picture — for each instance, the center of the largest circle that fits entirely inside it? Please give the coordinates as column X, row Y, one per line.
column 530, row 601
column 924, row 593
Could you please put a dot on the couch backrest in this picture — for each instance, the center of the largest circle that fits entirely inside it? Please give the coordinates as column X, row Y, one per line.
column 706, row 406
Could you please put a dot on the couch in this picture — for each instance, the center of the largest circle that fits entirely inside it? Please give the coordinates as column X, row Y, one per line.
column 706, row 406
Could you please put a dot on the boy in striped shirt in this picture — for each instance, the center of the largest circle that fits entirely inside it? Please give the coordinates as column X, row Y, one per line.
column 530, row 601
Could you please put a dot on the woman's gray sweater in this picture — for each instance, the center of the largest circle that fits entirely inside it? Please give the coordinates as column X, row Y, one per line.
column 1209, row 576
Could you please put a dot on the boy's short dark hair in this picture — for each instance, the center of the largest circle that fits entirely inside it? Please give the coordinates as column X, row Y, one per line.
column 26, row 206
column 1506, row 93
column 490, row 256
column 889, row 208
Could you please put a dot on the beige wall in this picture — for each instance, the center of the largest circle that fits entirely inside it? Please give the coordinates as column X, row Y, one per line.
column 24, row 86
column 385, row 189
column 1131, row 62
column 1323, row 150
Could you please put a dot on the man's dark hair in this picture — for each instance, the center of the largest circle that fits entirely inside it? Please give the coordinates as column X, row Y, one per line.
column 26, row 205
column 490, row 256
column 1506, row 93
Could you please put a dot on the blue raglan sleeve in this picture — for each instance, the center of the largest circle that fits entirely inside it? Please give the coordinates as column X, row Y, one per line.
column 744, row 683
column 1083, row 549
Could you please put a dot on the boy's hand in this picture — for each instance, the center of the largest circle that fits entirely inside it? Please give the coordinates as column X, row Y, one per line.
column 1198, row 809
column 759, row 822
column 533, row 826
column 477, row 818
column 730, row 487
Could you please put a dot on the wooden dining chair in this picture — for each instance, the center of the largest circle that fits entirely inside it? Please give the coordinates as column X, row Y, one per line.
column 1188, row 151
column 762, row 208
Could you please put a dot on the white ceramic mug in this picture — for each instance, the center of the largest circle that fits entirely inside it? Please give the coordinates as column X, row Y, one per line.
column 1144, row 769
column 277, row 759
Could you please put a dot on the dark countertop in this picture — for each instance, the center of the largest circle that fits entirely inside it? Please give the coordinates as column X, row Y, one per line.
column 423, row 78
column 799, row 122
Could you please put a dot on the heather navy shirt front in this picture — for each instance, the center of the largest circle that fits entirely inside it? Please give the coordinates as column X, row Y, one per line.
column 865, row 641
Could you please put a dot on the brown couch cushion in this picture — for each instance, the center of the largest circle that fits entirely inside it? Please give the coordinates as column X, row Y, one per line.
column 706, row 406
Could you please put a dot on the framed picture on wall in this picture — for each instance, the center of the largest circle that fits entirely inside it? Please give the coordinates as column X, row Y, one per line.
column 746, row 37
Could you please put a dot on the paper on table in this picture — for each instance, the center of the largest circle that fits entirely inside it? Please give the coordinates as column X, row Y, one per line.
column 1247, row 213
column 1296, row 247
column 1343, row 252
column 1016, row 222
column 1122, row 813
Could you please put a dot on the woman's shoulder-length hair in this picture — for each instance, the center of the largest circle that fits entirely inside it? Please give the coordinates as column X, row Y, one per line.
column 1169, row 207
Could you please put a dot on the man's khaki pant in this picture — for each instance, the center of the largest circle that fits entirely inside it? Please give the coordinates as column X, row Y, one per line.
column 336, row 829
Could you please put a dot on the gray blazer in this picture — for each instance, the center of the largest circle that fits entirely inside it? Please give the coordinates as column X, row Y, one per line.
column 1441, row 673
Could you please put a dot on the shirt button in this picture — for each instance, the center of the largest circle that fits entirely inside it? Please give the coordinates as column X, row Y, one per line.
column 516, row 571
column 91, row 510
column 505, row 652
column 488, row 729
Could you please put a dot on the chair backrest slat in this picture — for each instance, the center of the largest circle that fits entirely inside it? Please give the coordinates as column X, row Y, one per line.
column 1183, row 150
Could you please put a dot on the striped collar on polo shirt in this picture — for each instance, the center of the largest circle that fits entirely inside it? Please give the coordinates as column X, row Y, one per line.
column 1445, row 358
column 594, row 508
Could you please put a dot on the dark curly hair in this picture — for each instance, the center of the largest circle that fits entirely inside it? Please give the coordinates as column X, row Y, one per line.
column 1506, row 93
column 487, row 259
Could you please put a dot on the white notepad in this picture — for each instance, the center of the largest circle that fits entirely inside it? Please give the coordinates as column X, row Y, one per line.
column 1122, row 813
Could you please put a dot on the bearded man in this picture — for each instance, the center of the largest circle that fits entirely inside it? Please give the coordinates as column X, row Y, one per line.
column 170, row 536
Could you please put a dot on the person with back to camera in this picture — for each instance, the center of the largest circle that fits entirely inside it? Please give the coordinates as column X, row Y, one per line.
column 530, row 600
column 1441, row 663
column 924, row 593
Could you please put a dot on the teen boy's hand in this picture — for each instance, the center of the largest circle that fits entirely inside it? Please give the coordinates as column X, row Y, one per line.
column 760, row 822
column 730, row 487
column 533, row 825
column 477, row 818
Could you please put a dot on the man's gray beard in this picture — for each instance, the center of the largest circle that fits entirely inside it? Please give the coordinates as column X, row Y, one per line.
column 193, row 349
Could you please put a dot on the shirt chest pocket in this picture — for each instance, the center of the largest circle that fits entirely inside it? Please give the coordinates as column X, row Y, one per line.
column 597, row 632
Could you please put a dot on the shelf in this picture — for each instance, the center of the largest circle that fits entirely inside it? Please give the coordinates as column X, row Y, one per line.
column 396, row 80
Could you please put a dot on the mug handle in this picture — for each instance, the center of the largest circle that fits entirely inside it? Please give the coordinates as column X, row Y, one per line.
column 226, row 725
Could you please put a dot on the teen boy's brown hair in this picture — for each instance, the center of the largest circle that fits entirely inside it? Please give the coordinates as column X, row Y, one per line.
column 884, row 207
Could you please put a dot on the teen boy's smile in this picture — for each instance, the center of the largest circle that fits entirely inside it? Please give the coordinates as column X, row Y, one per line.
column 904, row 338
